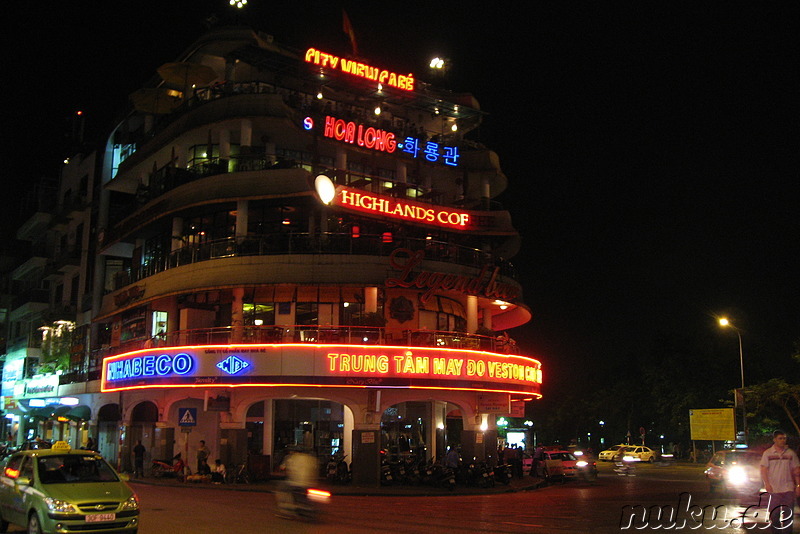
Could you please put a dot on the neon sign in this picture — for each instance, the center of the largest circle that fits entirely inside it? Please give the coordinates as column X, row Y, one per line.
column 384, row 141
column 323, row 365
column 361, row 70
column 433, row 281
column 350, row 132
column 150, row 365
column 371, row 203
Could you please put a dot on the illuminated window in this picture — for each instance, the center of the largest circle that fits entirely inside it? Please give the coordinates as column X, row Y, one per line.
column 258, row 314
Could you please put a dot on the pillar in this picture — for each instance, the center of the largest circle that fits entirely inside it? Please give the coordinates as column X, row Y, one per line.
column 366, row 444
column 224, row 148
column 402, row 171
column 479, row 439
column 370, row 299
column 246, row 133
column 472, row 314
column 341, row 159
column 487, row 318
column 177, row 233
column 242, row 217
column 437, row 446
column 237, row 316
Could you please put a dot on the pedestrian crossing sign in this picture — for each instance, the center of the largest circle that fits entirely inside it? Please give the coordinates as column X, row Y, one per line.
column 187, row 416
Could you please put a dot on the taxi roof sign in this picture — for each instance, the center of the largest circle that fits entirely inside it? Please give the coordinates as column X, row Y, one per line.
column 61, row 446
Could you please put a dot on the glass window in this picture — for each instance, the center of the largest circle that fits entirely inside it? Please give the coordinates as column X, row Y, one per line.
column 74, row 468
column 257, row 314
column 306, row 313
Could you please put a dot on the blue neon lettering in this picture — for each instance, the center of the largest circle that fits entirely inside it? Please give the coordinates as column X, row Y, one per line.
column 148, row 369
column 182, row 364
column 163, row 364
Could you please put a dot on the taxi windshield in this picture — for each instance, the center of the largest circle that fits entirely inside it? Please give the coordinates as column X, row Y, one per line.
column 74, row 468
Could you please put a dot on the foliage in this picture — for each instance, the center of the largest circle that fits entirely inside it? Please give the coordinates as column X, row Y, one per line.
column 776, row 392
column 56, row 346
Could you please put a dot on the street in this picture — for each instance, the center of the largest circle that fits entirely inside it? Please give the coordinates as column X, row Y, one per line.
column 571, row 507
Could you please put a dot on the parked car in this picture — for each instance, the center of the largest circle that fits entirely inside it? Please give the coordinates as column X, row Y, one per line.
column 642, row 454
column 61, row 490
column 608, row 454
column 735, row 471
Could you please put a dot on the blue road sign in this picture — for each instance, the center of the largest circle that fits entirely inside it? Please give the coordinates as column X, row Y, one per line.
column 187, row 416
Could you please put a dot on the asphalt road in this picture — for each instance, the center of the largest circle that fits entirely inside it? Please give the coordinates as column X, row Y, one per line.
column 571, row 507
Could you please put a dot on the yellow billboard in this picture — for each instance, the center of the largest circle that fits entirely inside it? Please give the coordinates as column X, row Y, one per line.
column 712, row 424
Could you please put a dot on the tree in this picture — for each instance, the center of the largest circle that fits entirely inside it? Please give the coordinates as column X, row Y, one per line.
column 776, row 392
column 56, row 346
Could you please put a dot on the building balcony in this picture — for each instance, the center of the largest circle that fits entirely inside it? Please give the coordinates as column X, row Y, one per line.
column 315, row 334
column 304, row 243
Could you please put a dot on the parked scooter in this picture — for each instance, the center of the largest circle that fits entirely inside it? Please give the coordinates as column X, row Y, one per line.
column 503, row 474
column 337, row 471
column 176, row 468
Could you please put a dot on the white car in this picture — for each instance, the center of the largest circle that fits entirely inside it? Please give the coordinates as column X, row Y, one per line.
column 642, row 454
column 608, row 454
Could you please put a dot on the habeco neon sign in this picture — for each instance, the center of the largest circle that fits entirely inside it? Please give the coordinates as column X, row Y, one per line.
column 330, row 365
column 373, row 204
column 359, row 69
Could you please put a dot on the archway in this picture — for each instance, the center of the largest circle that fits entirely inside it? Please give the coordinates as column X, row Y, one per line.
column 108, row 438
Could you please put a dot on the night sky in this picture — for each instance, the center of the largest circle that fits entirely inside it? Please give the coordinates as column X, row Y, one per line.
column 651, row 149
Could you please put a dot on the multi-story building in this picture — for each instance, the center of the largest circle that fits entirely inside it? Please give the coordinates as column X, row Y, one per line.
column 297, row 248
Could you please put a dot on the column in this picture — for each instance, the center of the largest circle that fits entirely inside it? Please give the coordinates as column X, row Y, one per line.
column 177, row 233
column 237, row 317
column 224, row 148
column 242, row 216
column 246, row 133
column 370, row 299
column 479, row 438
column 472, row 314
column 341, row 159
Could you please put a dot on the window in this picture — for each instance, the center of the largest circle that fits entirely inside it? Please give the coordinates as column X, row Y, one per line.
column 257, row 314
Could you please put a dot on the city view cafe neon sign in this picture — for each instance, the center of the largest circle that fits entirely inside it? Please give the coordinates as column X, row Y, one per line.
column 322, row 365
column 360, row 70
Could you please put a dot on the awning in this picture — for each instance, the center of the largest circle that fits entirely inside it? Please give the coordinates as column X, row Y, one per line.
column 79, row 413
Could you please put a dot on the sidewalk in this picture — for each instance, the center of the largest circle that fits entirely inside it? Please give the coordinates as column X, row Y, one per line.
column 270, row 486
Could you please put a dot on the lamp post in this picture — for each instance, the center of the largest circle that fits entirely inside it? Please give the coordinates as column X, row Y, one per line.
column 725, row 323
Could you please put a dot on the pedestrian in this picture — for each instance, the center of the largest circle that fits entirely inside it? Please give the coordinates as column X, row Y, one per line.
column 538, row 452
column 202, row 458
column 218, row 473
column 780, row 471
column 138, row 459
column 452, row 458
column 89, row 444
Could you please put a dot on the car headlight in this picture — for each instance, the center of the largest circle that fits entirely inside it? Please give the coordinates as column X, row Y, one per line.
column 581, row 463
column 131, row 504
column 59, row 506
column 736, row 476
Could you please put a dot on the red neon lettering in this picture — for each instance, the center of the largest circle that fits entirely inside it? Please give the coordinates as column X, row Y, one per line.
column 329, row 125
column 369, row 137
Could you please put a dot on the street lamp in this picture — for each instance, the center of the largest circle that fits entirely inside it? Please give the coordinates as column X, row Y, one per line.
column 725, row 323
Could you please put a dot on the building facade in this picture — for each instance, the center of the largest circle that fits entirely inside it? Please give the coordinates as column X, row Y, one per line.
column 289, row 248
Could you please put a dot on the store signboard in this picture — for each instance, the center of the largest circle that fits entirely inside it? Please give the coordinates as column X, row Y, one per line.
column 298, row 364
column 44, row 386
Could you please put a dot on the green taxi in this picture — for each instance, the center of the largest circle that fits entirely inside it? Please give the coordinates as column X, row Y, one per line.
column 65, row 490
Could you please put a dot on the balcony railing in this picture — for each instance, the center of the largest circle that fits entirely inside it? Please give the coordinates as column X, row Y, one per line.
column 304, row 243
column 315, row 334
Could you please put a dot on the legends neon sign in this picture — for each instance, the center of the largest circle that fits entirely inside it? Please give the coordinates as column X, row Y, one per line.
column 359, row 69
column 334, row 365
column 370, row 203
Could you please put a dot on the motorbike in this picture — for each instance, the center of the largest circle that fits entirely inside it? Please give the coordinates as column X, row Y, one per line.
column 175, row 468
column 585, row 467
column 503, row 474
column 337, row 471
column 624, row 466
column 302, row 503
column 439, row 476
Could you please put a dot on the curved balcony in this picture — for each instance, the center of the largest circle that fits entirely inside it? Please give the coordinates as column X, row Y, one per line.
column 316, row 334
column 304, row 243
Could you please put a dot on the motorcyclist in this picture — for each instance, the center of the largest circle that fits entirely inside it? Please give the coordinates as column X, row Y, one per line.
column 301, row 470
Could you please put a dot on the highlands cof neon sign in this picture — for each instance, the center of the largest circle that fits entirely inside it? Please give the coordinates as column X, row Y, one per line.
column 359, row 69
column 379, row 205
column 322, row 365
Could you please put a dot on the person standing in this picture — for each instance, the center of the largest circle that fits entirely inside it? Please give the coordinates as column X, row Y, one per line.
column 138, row 459
column 202, row 458
column 89, row 445
column 780, row 471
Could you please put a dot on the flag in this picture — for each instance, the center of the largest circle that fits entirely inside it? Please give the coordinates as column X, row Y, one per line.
column 348, row 29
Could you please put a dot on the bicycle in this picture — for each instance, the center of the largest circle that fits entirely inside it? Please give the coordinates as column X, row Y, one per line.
column 238, row 475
